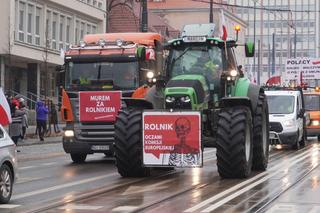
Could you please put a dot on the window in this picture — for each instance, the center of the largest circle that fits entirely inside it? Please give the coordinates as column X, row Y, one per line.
column 94, row 29
column 77, row 32
column 22, row 9
column 30, row 23
column 100, row 5
column 88, row 28
column 54, row 30
column 61, row 32
column 68, row 30
column 82, row 30
column 48, row 30
column 37, row 27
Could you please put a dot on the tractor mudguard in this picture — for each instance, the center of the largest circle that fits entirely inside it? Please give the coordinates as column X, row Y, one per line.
column 236, row 101
column 245, row 89
column 137, row 103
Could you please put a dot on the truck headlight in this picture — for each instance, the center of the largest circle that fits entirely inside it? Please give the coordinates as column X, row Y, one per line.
column 185, row 99
column 288, row 123
column 150, row 74
column 233, row 73
column 170, row 99
column 69, row 133
column 315, row 123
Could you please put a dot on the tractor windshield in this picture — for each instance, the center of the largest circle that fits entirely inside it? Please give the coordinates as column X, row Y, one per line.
column 202, row 60
column 281, row 104
column 102, row 75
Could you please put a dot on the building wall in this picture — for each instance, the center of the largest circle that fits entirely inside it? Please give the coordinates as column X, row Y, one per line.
column 284, row 25
column 33, row 35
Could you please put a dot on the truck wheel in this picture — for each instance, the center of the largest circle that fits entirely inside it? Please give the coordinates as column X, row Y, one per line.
column 261, row 135
column 128, row 144
column 6, row 182
column 78, row 158
column 234, row 142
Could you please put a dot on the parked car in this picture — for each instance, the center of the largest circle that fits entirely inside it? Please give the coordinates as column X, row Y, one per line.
column 8, row 166
column 312, row 105
column 287, row 117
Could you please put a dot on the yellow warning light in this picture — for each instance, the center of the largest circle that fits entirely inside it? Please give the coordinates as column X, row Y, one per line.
column 237, row 28
column 317, row 89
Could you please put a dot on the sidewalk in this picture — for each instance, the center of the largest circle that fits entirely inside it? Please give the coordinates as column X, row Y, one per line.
column 32, row 139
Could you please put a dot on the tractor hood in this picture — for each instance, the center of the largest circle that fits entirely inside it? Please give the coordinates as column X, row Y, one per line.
column 187, row 92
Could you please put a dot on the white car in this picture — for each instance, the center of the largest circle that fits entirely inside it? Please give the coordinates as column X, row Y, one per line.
column 8, row 166
column 286, row 117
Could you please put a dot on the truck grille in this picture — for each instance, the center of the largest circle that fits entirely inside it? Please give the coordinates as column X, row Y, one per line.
column 94, row 133
column 178, row 104
column 276, row 127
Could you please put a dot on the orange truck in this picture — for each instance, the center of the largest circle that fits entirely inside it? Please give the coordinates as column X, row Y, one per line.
column 312, row 106
column 96, row 74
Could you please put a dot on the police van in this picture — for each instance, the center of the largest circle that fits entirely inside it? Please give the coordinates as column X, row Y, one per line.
column 287, row 116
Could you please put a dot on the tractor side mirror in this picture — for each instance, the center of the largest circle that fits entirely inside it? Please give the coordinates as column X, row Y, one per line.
column 60, row 68
column 249, row 49
column 141, row 53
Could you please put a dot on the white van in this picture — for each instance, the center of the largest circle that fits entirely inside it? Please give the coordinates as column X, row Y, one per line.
column 286, row 117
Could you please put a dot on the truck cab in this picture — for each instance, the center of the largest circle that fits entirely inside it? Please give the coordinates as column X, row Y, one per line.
column 312, row 102
column 286, row 116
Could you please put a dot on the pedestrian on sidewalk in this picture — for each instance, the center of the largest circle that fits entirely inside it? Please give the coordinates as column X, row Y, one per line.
column 42, row 115
column 54, row 118
column 25, row 122
column 15, row 128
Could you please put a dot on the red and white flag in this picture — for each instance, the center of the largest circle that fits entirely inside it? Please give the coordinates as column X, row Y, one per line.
column 5, row 113
column 224, row 33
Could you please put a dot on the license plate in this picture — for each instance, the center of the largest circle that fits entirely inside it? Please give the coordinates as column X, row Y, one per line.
column 100, row 147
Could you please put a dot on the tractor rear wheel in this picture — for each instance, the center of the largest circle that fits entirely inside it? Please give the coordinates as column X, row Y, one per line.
column 128, row 144
column 234, row 142
column 261, row 135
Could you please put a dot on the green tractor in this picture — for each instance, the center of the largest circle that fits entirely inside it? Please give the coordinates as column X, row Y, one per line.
column 202, row 76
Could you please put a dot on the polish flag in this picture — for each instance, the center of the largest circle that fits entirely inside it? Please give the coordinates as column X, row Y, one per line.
column 5, row 113
column 224, row 33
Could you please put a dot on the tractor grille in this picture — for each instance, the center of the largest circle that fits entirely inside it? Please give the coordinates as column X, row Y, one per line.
column 178, row 104
column 276, row 127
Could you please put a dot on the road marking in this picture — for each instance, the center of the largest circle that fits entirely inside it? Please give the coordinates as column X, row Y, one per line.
column 8, row 206
column 80, row 207
column 247, row 188
column 49, row 164
column 152, row 187
column 26, row 167
column 125, row 208
column 53, row 188
column 244, row 183
column 25, row 180
column 288, row 208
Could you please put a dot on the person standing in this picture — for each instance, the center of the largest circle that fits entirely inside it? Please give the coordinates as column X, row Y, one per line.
column 15, row 128
column 25, row 123
column 42, row 115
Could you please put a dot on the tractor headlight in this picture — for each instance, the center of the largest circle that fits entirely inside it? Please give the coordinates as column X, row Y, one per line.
column 315, row 123
column 228, row 78
column 288, row 123
column 150, row 74
column 170, row 99
column 69, row 133
column 185, row 99
column 233, row 73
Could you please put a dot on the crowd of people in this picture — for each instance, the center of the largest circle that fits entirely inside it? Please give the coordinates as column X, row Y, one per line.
column 45, row 111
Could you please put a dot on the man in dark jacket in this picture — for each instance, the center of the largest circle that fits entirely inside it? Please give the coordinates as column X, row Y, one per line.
column 42, row 116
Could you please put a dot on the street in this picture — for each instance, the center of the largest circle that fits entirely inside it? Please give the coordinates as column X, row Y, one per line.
column 50, row 182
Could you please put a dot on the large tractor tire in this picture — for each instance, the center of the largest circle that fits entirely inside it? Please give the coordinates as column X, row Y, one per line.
column 128, row 144
column 234, row 142
column 261, row 135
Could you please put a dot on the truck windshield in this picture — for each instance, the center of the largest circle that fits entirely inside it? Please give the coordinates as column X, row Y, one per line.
column 312, row 102
column 197, row 60
column 281, row 104
column 102, row 75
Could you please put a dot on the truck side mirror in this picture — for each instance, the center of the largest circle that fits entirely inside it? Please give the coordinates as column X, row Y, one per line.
column 249, row 49
column 141, row 53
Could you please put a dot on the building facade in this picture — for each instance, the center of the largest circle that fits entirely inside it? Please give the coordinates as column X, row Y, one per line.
column 283, row 29
column 33, row 35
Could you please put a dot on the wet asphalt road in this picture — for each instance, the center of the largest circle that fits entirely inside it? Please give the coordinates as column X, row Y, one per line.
column 50, row 182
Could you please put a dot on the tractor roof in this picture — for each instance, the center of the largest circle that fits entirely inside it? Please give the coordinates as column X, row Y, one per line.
column 147, row 39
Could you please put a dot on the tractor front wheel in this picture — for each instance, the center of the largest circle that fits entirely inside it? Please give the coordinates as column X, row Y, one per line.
column 234, row 142
column 128, row 144
column 261, row 135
